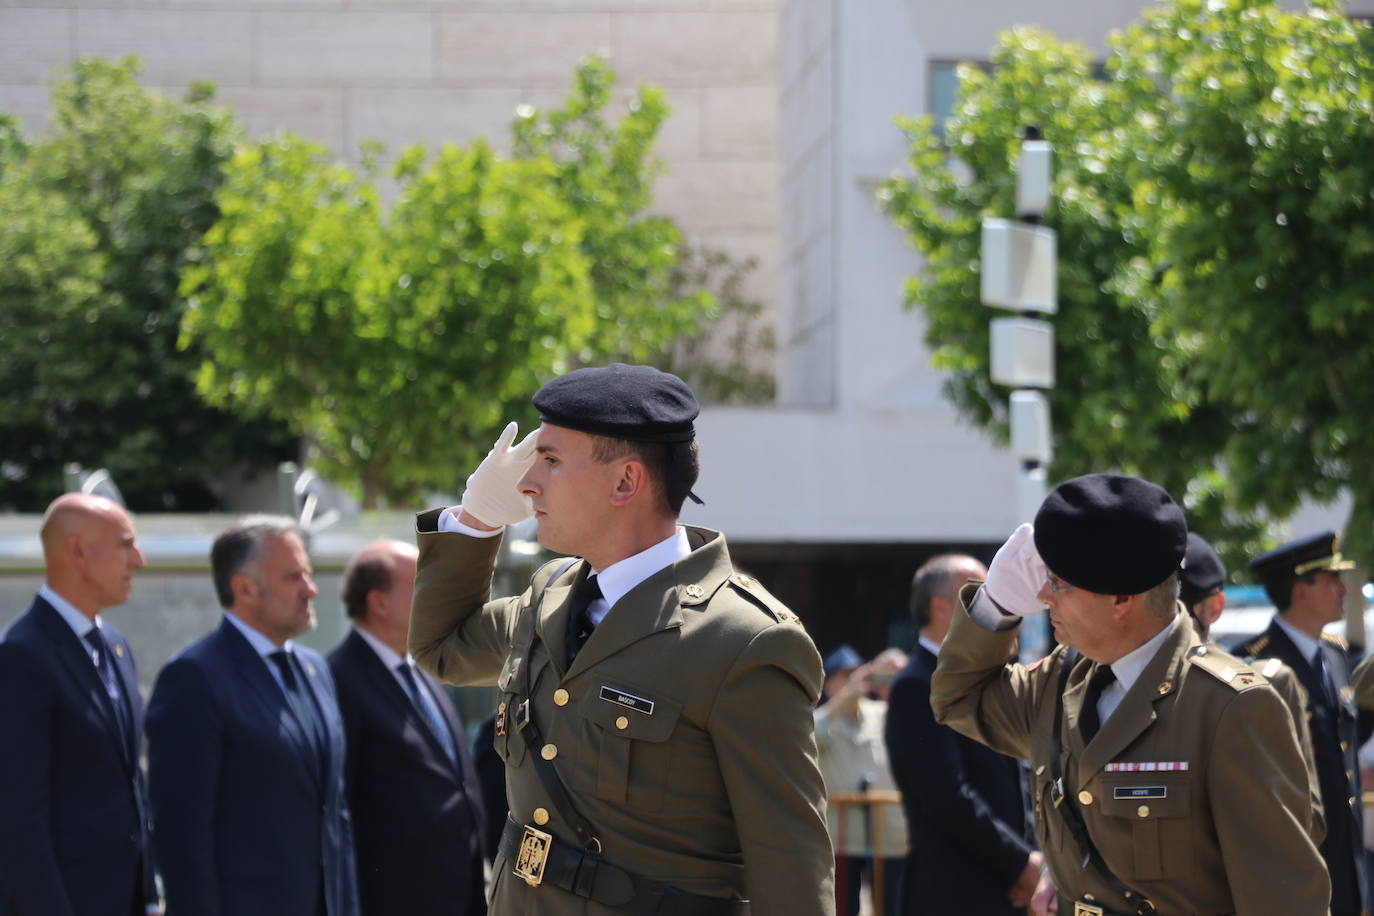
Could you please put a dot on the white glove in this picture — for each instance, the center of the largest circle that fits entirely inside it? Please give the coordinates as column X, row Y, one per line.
column 491, row 496
column 1017, row 573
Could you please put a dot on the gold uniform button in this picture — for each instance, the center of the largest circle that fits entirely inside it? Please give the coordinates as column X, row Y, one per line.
column 541, row 816
column 1164, row 688
column 1085, row 797
column 622, row 723
column 560, row 697
column 549, row 751
column 1345, row 746
column 1143, row 810
column 1040, row 769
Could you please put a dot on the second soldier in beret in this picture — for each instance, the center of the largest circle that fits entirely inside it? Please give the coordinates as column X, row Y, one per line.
column 1303, row 579
column 655, row 713
column 1166, row 775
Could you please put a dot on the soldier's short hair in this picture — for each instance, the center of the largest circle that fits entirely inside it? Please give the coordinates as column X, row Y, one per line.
column 1161, row 600
column 673, row 467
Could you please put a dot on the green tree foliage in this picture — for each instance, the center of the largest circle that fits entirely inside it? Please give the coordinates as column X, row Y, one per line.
column 397, row 340
column 1212, row 197
column 95, row 220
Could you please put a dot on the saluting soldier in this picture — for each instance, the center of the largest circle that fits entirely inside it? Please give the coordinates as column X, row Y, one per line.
column 1200, row 589
column 1303, row 579
column 1166, row 775
column 656, row 705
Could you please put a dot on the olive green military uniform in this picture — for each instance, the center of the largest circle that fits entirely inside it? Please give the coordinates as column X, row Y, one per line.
column 1194, row 791
column 683, row 728
column 1362, row 682
column 1294, row 695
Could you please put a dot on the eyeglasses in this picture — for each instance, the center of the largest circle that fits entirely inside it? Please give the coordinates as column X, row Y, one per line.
column 1056, row 587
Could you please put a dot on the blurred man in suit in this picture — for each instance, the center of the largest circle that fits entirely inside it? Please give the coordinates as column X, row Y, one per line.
column 412, row 786
column 246, row 747
column 73, row 821
column 970, row 843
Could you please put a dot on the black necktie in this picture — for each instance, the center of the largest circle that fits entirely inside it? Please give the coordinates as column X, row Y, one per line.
column 1319, row 665
column 101, row 650
column 301, row 705
column 1088, row 723
column 580, row 624
column 429, row 710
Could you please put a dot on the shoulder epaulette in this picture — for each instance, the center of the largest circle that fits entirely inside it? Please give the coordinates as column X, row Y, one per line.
column 1338, row 641
column 1226, row 668
column 760, row 596
column 1254, row 647
column 1272, row 667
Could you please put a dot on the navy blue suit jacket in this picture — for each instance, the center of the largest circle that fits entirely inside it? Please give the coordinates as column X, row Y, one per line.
column 73, row 823
column 246, row 823
column 965, row 806
column 1338, row 729
column 417, row 818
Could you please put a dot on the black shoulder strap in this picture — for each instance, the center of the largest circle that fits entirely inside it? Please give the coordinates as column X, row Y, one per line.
column 1092, row 860
column 529, row 732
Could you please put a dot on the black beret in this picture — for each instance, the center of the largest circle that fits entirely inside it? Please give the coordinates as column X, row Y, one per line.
column 1203, row 571
column 1111, row 534
column 626, row 402
column 1300, row 557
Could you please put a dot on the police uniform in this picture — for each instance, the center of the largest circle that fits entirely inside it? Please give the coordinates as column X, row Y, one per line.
column 1333, row 718
column 1193, row 794
column 680, row 734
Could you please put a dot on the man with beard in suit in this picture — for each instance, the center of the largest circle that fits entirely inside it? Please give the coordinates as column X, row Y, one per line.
column 246, row 746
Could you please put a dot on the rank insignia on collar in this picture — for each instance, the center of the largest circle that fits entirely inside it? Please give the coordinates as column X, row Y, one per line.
column 501, row 719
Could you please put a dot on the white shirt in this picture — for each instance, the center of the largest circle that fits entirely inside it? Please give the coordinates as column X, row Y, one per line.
column 263, row 646
column 79, row 622
column 930, row 645
column 1306, row 644
column 390, row 658
column 623, row 575
column 615, row 580
column 1128, row 669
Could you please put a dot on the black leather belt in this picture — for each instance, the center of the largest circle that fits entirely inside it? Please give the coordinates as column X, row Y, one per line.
column 537, row 858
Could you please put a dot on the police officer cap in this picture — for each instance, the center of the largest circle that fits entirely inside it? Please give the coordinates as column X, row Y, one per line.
column 1300, row 557
column 625, row 402
column 845, row 658
column 1111, row 534
column 1203, row 572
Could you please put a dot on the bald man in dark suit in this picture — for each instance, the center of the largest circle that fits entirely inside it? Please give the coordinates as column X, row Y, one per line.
column 73, row 819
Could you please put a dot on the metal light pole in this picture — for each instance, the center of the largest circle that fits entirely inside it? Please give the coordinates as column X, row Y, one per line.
column 1019, row 274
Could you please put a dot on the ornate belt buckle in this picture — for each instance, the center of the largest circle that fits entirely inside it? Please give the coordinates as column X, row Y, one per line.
column 1087, row 909
column 532, row 855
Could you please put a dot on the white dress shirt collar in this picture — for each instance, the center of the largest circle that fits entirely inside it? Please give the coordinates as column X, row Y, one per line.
column 620, row 577
column 929, row 645
column 79, row 622
column 1129, row 667
column 1306, row 644
column 261, row 644
column 384, row 652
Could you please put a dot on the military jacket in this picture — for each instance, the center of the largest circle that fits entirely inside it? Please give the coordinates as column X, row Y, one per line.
column 1333, row 721
column 683, row 727
column 1194, row 791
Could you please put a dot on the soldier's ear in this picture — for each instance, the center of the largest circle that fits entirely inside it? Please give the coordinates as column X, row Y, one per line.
column 632, row 480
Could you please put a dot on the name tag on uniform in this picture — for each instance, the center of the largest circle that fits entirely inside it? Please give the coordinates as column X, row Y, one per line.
column 628, row 700
column 1132, row 792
